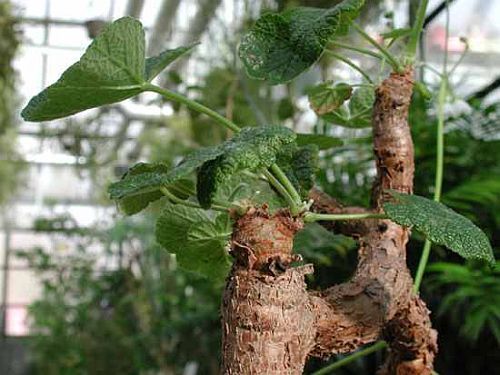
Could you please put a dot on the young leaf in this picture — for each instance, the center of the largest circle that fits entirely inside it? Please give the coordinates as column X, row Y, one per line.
column 323, row 142
column 358, row 114
column 249, row 190
column 440, row 224
column 145, row 180
column 301, row 166
column 251, row 149
column 198, row 242
column 281, row 46
column 131, row 204
column 112, row 69
column 155, row 64
column 326, row 97
column 286, row 109
column 149, row 179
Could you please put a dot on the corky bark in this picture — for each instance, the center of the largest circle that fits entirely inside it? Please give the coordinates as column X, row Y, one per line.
column 272, row 324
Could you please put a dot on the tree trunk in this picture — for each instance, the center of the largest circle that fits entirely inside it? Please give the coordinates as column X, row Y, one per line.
column 271, row 323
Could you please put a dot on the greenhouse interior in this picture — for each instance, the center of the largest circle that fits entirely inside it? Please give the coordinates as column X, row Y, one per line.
column 250, row 187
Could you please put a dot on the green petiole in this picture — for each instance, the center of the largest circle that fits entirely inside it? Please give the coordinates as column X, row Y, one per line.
column 310, row 217
column 347, row 61
column 279, row 180
column 384, row 51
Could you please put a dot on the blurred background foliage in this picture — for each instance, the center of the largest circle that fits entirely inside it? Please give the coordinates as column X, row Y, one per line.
column 9, row 158
column 134, row 311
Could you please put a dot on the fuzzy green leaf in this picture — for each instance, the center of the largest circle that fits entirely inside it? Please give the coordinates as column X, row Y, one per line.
column 281, row 46
column 149, row 179
column 131, row 204
column 326, row 97
column 358, row 114
column 323, row 142
column 251, row 149
column 141, row 186
column 300, row 165
column 250, row 191
column 155, row 64
column 198, row 242
column 112, row 69
column 109, row 71
column 440, row 225
column 305, row 166
column 286, row 109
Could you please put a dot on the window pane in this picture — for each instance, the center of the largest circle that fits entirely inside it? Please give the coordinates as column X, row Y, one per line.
column 16, row 321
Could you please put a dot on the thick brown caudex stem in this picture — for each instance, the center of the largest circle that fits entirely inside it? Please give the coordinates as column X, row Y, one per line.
column 271, row 324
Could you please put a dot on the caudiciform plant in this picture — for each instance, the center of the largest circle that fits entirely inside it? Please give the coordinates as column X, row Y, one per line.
column 256, row 190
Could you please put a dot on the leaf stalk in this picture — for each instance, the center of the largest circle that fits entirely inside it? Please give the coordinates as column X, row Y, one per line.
column 384, row 51
column 312, row 217
column 284, row 186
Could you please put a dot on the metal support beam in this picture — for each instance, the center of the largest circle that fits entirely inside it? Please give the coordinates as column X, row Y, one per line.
column 437, row 11
column 50, row 21
column 485, row 91
column 198, row 24
column 134, row 8
column 162, row 26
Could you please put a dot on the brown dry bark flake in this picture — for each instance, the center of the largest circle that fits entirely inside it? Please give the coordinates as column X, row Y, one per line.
column 266, row 315
column 271, row 323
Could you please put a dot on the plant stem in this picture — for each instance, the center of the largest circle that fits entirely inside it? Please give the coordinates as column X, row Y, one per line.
column 312, row 217
column 281, row 176
column 187, row 203
column 364, row 51
column 193, row 105
column 384, row 51
column 282, row 190
column 438, row 179
column 379, row 345
column 292, row 196
column 411, row 49
column 350, row 63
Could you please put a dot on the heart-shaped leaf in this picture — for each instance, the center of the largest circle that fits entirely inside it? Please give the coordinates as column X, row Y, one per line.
column 326, row 97
column 155, row 64
column 251, row 149
column 112, row 69
column 281, row 46
column 198, row 242
column 440, row 225
column 148, row 178
column 141, row 185
column 358, row 113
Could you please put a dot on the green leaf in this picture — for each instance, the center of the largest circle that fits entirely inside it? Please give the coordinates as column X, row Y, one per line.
column 112, row 69
column 131, row 204
column 281, row 46
column 326, row 97
column 149, row 179
column 286, row 109
column 155, row 64
column 304, row 166
column 300, row 165
column 198, row 242
column 109, row 71
column 440, row 225
column 323, row 142
column 358, row 114
column 140, row 185
column 251, row 149
column 248, row 190
column 397, row 33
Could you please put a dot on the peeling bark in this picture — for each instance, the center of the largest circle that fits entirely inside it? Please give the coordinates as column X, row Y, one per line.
column 271, row 323
column 267, row 318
